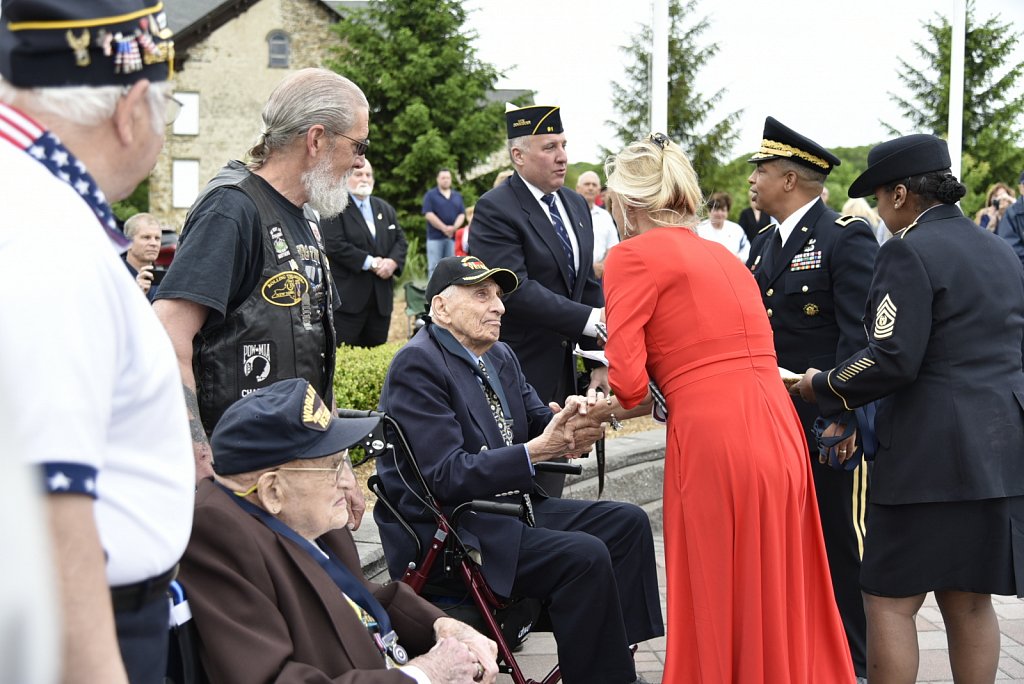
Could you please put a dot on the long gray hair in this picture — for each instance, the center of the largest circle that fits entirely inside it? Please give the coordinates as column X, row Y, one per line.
column 304, row 99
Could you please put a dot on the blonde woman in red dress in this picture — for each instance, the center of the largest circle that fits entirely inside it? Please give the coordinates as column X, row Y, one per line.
column 749, row 594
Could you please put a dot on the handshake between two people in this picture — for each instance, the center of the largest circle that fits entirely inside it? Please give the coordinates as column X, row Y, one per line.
column 580, row 423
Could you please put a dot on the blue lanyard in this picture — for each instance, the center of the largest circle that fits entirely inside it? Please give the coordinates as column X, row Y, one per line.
column 346, row 581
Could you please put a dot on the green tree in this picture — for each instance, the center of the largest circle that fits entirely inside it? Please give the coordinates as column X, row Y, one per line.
column 690, row 111
column 427, row 90
column 993, row 110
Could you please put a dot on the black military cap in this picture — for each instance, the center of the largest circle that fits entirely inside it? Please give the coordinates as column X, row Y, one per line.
column 782, row 142
column 45, row 43
column 286, row 421
column 468, row 270
column 532, row 120
column 901, row 158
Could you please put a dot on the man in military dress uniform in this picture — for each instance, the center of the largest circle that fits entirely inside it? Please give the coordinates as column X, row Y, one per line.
column 814, row 269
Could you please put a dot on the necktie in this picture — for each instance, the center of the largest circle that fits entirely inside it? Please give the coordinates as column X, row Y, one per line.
column 506, row 432
column 772, row 252
column 563, row 237
column 367, row 212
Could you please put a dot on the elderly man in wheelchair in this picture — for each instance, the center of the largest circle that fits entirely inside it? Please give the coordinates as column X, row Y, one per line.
column 272, row 574
column 476, row 429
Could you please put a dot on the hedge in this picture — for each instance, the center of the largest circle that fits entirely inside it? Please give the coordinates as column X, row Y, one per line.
column 359, row 375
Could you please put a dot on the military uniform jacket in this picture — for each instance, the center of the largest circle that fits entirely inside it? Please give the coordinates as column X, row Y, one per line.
column 815, row 289
column 348, row 241
column 947, row 356
column 544, row 318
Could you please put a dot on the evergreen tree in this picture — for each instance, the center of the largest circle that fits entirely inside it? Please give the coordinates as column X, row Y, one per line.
column 690, row 111
column 993, row 111
column 427, row 91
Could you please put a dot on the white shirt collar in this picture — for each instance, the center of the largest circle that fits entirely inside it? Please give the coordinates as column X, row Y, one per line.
column 787, row 227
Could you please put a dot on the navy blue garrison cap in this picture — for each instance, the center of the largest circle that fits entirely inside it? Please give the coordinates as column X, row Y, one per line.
column 53, row 43
column 901, row 158
column 532, row 120
column 286, row 421
column 782, row 142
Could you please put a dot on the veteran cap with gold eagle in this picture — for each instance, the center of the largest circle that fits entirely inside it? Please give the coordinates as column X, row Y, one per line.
column 782, row 142
column 468, row 270
column 53, row 43
column 283, row 422
column 532, row 120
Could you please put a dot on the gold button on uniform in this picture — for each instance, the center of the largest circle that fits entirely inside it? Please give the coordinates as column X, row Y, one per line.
column 769, row 313
column 804, row 288
column 769, row 292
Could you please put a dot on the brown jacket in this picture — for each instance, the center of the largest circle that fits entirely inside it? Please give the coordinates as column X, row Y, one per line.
column 267, row 612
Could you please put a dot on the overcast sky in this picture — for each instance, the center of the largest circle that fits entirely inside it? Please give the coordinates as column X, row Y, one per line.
column 823, row 67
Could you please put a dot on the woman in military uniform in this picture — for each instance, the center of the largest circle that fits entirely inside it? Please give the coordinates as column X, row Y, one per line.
column 945, row 359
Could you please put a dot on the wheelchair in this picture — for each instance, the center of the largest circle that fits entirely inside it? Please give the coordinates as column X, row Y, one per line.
column 446, row 573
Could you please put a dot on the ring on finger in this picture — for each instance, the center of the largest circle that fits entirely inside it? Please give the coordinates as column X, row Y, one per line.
column 479, row 673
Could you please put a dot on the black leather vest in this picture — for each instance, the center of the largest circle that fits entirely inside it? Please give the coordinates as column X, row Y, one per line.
column 284, row 328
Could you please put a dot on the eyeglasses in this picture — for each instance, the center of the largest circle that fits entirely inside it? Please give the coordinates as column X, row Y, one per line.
column 360, row 145
column 337, row 470
column 172, row 109
column 659, row 139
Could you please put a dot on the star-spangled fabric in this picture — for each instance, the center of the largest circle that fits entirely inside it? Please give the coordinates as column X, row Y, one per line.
column 28, row 135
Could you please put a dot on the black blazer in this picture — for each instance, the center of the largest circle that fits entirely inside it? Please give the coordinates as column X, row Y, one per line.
column 814, row 291
column 946, row 315
column 543, row 319
column 437, row 399
column 348, row 241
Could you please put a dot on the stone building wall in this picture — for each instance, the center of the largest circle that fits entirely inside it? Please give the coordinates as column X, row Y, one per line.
column 230, row 72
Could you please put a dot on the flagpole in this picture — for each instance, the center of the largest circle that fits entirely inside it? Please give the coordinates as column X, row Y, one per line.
column 659, row 67
column 956, row 85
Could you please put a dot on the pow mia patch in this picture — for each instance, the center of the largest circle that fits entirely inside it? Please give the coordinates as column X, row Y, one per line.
column 256, row 361
column 885, row 319
column 285, row 288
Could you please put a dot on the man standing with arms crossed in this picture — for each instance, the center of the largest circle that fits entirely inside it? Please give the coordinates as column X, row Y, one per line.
column 814, row 270
column 533, row 226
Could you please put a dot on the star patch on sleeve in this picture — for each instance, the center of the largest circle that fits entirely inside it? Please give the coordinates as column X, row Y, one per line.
column 885, row 319
column 70, row 478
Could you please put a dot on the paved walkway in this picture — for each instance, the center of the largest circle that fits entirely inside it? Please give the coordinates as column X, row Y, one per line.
column 538, row 655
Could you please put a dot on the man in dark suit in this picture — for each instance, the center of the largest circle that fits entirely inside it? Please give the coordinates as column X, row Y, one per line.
column 366, row 248
column 814, row 270
column 476, row 428
column 542, row 231
column 271, row 572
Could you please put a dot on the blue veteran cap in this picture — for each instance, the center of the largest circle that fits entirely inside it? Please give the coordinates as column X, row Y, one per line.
column 532, row 120
column 52, row 43
column 286, row 421
column 782, row 142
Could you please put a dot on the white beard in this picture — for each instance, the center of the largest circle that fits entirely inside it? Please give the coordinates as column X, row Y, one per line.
column 327, row 194
column 362, row 190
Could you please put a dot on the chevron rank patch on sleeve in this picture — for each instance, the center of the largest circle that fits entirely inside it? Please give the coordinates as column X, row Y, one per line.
column 885, row 319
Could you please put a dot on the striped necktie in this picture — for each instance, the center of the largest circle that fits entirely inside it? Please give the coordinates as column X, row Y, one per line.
column 506, row 433
column 563, row 237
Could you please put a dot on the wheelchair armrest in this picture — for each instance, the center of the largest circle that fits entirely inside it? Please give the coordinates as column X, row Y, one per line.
column 484, row 506
column 556, row 467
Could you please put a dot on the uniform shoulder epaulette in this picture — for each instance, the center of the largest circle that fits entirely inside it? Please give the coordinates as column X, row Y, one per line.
column 848, row 219
column 768, row 227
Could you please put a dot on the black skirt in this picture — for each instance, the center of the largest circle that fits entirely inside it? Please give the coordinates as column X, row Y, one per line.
column 975, row 546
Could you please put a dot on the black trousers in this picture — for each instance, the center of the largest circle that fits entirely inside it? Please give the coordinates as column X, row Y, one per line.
column 593, row 561
column 366, row 328
column 143, row 635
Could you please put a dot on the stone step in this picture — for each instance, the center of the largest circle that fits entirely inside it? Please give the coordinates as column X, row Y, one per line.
column 634, row 469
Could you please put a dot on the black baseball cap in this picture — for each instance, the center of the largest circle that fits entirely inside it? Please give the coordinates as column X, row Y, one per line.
column 286, row 421
column 468, row 270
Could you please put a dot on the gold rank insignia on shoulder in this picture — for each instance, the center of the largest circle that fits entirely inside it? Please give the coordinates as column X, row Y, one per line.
column 812, row 309
column 848, row 219
column 885, row 319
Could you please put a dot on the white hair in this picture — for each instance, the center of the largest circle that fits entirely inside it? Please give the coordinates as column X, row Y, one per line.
column 86, row 105
column 446, row 293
